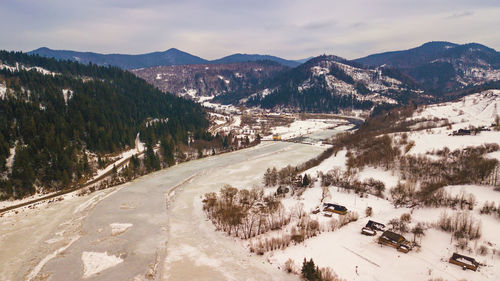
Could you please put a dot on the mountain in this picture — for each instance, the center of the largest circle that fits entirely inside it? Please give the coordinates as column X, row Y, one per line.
column 205, row 80
column 301, row 61
column 246, row 58
column 57, row 118
column 442, row 67
column 168, row 57
column 330, row 83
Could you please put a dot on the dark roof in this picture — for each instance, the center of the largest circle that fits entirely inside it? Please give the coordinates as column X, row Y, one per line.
column 374, row 224
column 335, row 206
column 392, row 236
column 458, row 256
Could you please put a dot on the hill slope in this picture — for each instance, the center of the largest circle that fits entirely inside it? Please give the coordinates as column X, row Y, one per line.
column 168, row 57
column 254, row 57
column 206, row 80
column 330, row 83
column 56, row 115
column 442, row 66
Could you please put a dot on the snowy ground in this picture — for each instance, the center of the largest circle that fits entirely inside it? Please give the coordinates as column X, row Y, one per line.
column 475, row 110
column 305, row 127
column 93, row 262
column 345, row 249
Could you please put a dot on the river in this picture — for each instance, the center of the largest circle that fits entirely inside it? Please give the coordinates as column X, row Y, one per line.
column 163, row 239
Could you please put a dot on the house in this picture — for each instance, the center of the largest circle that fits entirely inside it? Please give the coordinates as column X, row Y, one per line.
column 462, row 132
column 371, row 228
column 375, row 225
column 276, row 137
column 334, row 208
column 394, row 240
column 368, row 231
column 464, row 261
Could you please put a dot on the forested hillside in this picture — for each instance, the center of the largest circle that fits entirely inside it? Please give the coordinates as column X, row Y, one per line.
column 331, row 83
column 55, row 114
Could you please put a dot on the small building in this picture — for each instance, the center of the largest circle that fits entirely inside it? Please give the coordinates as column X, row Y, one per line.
column 464, row 261
column 334, row 208
column 394, row 240
column 375, row 225
column 368, row 231
column 276, row 137
column 371, row 228
column 462, row 132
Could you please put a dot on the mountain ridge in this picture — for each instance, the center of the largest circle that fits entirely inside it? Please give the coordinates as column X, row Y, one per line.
column 169, row 57
column 441, row 66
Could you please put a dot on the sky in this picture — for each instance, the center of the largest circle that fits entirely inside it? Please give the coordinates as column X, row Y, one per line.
column 212, row 29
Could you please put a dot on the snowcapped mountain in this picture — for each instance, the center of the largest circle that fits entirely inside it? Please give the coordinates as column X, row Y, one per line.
column 209, row 80
column 442, row 66
column 328, row 83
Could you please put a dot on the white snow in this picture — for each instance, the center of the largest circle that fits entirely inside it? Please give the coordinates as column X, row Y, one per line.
column 10, row 160
column 3, row 91
column 94, row 262
column 119, row 228
column 190, row 92
column 474, row 110
column 346, row 248
column 67, row 95
column 20, row 67
column 40, row 265
column 477, row 109
column 334, row 162
column 304, row 127
column 139, row 147
column 389, row 178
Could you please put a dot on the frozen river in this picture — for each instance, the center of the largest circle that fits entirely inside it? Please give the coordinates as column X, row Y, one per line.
column 132, row 232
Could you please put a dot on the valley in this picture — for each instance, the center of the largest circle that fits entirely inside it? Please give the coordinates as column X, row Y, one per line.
column 142, row 205
column 168, row 166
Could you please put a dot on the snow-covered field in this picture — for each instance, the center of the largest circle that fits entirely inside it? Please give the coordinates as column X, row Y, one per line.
column 305, row 127
column 475, row 110
column 346, row 248
column 354, row 256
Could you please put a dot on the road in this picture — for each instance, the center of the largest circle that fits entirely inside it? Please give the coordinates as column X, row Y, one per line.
column 174, row 243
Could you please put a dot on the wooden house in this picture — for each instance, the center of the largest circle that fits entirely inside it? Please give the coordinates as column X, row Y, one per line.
column 368, row 231
column 375, row 225
column 334, row 208
column 464, row 261
column 394, row 240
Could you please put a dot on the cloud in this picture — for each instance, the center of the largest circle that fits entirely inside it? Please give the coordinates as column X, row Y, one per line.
column 320, row 24
column 212, row 29
column 460, row 15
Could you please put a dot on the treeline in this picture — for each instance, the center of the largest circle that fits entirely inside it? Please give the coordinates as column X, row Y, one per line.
column 104, row 108
column 244, row 213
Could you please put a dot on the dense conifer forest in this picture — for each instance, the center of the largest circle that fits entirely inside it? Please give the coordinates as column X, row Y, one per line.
column 54, row 121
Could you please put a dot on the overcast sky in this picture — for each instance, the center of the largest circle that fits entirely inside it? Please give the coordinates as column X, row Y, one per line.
column 216, row 28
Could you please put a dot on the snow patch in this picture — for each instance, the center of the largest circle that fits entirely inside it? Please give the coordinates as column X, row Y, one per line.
column 94, row 262
column 3, row 91
column 67, row 95
column 20, row 67
column 119, row 228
